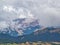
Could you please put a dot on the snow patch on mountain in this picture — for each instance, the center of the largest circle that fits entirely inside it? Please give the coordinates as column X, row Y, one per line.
column 20, row 26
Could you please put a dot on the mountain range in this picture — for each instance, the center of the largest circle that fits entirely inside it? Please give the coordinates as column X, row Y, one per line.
column 23, row 31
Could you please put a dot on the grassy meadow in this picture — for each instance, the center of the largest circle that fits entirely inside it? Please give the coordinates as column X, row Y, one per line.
column 33, row 43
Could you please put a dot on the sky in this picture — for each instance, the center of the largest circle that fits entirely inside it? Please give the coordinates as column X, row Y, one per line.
column 46, row 11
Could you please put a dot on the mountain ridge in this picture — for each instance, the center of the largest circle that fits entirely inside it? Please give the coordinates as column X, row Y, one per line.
column 39, row 35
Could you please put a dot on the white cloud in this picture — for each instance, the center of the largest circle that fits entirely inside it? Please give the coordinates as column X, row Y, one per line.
column 8, row 8
column 50, row 16
column 22, row 16
column 3, row 24
column 48, row 11
column 24, row 13
column 20, row 12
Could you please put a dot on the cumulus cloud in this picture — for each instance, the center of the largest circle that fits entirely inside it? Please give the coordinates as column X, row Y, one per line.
column 3, row 24
column 21, row 12
column 47, row 11
column 9, row 9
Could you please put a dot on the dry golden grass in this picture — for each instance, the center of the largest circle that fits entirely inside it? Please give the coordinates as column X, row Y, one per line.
column 31, row 43
column 27, row 43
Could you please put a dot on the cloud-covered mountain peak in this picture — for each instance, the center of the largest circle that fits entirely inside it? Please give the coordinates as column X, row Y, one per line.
column 20, row 26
